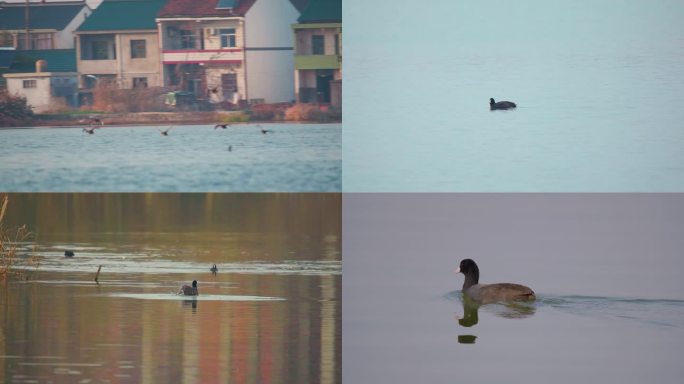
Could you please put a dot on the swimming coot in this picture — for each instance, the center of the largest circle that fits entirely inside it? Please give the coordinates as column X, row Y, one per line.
column 490, row 293
column 68, row 253
column 188, row 290
column 501, row 104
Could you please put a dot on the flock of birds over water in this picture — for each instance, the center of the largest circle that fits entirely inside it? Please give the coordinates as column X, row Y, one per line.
column 96, row 123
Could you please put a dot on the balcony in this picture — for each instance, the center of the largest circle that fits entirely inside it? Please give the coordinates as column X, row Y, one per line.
column 230, row 56
column 317, row 61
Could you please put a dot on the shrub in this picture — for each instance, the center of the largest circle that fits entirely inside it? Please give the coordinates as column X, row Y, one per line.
column 13, row 109
column 262, row 115
column 110, row 99
column 234, row 117
column 312, row 112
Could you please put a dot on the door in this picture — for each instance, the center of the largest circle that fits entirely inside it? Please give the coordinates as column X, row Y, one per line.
column 323, row 79
column 229, row 87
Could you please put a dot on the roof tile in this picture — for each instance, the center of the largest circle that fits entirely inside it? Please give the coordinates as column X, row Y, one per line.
column 118, row 15
column 42, row 16
column 206, row 8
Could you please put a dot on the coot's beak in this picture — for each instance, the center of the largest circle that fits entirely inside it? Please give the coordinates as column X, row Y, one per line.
column 457, row 270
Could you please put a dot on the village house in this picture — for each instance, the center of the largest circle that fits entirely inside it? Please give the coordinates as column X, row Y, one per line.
column 46, row 78
column 318, row 53
column 229, row 50
column 118, row 45
column 49, row 25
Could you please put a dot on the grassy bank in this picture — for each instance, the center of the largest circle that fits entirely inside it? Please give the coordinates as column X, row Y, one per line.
column 267, row 113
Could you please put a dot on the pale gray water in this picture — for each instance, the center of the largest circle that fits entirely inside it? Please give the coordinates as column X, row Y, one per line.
column 294, row 158
column 598, row 86
column 606, row 269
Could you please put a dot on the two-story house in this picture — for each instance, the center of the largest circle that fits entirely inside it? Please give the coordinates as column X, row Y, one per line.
column 229, row 50
column 47, row 25
column 318, row 53
column 118, row 44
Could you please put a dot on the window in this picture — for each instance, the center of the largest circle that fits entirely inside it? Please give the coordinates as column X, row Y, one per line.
column 138, row 49
column 38, row 41
column 187, row 39
column 6, row 39
column 318, row 45
column 98, row 47
column 337, row 44
column 140, row 82
column 100, row 50
column 229, row 84
column 42, row 41
column 227, row 37
column 30, row 84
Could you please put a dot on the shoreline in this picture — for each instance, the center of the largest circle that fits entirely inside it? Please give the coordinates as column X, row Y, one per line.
column 150, row 119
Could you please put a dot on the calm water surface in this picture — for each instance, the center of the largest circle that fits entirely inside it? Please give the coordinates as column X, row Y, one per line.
column 595, row 83
column 606, row 270
column 294, row 158
column 272, row 314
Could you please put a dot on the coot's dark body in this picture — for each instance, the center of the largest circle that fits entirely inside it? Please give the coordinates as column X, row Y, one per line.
column 501, row 104
column 187, row 290
column 490, row 293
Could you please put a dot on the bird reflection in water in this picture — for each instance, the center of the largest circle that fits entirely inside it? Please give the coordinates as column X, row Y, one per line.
column 509, row 310
column 191, row 302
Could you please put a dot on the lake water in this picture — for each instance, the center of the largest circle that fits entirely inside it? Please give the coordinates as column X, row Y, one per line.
column 606, row 270
column 597, row 84
column 272, row 314
column 294, row 158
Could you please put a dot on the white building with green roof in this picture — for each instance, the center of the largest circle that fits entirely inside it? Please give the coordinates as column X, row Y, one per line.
column 118, row 44
column 47, row 78
column 318, row 53
column 49, row 25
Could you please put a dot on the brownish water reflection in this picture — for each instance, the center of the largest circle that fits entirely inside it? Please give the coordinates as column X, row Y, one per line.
column 62, row 327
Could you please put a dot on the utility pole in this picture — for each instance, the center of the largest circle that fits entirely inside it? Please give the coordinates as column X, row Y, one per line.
column 27, row 40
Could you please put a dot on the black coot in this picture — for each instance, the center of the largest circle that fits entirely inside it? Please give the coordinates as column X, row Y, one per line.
column 501, row 104
column 490, row 293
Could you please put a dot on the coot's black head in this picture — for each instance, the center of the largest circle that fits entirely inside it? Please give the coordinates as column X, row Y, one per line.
column 471, row 272
column 194, row 283
column 468, row 266
column 491, row 102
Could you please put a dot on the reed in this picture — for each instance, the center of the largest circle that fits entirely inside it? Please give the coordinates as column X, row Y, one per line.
column 11, row 245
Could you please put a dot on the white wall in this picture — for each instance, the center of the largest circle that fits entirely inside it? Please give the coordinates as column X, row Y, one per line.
column 268, row 28
column 64, row 39
column 268, row 24
column 270, row 76
column 39, row 97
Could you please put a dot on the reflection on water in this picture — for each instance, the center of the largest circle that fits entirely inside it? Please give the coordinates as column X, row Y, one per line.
column 470, row 318
column 270, row 314
column 660, row 312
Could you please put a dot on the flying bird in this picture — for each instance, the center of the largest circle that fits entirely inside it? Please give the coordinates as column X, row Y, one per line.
column 165, row 132
column 264, row 131
column 224, row 126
